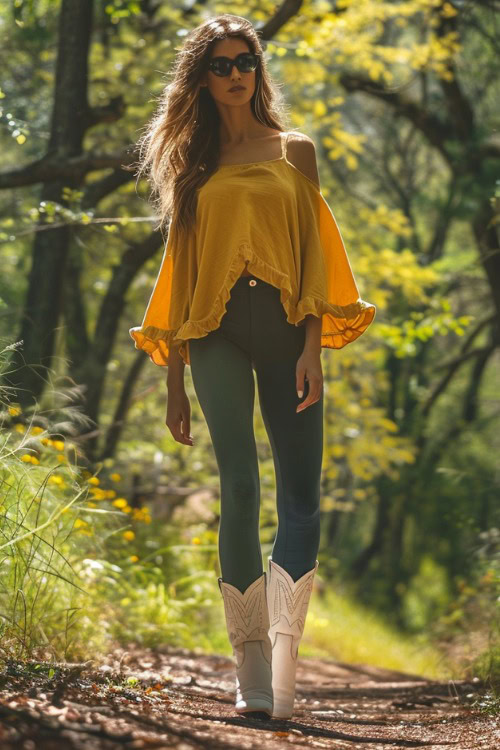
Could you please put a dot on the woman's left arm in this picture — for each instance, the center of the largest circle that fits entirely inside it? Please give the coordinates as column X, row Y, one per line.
column 309, row 364
column 302, row 153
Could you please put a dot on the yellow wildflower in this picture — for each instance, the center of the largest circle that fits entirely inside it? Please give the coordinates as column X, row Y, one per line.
column 79, row 523
column 133, row 558
column 36, row 430
column 19, row 427
column 61, row 457
column 196, row 540
column 58, row 445
column 26, row 458
column 128, row 535
column 115, row 477
column 14, row 411
column 94, row 480
column 110, row 493
column 120, row 502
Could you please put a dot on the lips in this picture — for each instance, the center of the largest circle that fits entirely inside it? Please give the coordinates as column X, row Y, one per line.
column 237, row 88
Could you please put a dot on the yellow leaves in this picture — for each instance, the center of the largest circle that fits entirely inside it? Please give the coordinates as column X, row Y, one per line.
column 342, row 143
column 353, row 38
column 351, row 162
column 388, row 270
column 319, row 108
column 375, row 69
column 436, row 54
column 389, row 425
column 277, row 50
column 337, row 450
column 448, row 11
column 420, row 327
column 392, row 219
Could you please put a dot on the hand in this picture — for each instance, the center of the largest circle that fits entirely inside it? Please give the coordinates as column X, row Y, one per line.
column 179, row 415
column 309, row 366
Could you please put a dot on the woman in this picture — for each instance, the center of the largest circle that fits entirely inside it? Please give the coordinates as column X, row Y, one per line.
column 254, row 277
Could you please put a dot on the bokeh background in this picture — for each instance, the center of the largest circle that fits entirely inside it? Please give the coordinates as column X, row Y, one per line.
column 108, row 526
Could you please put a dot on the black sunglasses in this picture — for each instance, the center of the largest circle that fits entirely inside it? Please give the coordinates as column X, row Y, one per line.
column 246, row 62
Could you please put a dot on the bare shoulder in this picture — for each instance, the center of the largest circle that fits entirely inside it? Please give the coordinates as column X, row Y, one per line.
column 301, row 151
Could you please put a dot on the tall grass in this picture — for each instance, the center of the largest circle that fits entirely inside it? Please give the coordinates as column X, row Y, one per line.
column 71, row 580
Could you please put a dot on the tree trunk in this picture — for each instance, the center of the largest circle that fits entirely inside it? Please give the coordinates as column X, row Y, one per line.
column 43, row 303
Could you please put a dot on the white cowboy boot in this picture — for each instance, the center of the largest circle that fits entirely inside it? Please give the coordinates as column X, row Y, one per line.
column 247, row 621
column 288, row 601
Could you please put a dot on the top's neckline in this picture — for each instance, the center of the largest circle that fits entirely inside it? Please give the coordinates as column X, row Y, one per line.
column 250, row 163
column 282, row 158
column 261, row 161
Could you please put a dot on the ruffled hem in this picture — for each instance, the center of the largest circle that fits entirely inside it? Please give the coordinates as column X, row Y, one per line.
column 341, row 325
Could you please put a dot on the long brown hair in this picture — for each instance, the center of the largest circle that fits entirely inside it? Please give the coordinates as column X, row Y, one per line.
column 180, row 148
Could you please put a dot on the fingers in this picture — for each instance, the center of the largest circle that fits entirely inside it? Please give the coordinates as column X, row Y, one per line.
column 186, row 434
column 179, row 429
column 314, row 394
column 299, row 382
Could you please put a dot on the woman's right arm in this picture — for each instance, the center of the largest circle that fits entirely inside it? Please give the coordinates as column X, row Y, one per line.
column 178, row 407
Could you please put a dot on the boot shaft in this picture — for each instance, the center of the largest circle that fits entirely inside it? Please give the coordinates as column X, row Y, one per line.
column 247, row 614
column 288, row 602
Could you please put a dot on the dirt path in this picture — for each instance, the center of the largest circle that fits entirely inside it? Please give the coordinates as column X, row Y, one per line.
column 176, row 698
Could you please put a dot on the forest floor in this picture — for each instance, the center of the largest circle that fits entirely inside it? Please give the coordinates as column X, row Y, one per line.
column 172, row 697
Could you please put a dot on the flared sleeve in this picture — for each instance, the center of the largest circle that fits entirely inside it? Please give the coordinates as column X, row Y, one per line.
column 164, row 313
column 328, row 288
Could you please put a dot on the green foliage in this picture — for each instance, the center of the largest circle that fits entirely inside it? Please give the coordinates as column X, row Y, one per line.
column 407, row 217
column 69, row 579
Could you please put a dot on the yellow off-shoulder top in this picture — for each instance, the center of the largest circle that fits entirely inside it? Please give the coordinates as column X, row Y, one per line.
column 272, row 215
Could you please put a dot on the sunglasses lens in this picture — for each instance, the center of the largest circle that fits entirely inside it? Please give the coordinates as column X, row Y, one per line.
column 222, row 66
column 219, row 66
column 246, row 63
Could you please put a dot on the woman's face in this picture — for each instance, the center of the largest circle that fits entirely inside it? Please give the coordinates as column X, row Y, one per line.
column 219, row 85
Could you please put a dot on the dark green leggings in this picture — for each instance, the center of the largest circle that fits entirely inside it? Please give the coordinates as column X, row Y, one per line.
column 254, row 334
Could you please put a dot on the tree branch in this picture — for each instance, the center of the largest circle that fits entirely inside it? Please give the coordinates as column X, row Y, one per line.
column 56, row 166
